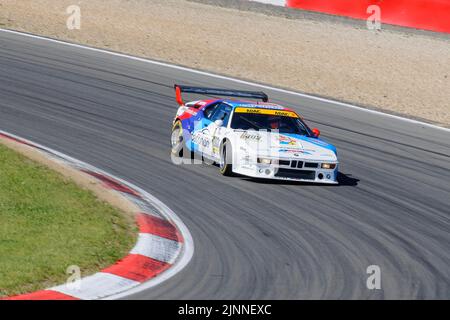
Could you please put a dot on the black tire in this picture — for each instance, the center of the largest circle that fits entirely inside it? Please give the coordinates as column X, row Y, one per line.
column 176, row 140
column 226, row 156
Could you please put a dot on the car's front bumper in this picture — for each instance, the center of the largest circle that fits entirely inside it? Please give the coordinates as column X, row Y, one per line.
column 287, row 172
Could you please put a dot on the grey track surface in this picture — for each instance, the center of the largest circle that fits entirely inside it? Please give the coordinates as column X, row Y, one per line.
column 252, row 239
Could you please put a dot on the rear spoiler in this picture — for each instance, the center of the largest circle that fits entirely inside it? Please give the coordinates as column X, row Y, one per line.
column 218, row 92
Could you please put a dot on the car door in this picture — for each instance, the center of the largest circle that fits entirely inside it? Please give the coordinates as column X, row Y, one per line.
column 215, row 133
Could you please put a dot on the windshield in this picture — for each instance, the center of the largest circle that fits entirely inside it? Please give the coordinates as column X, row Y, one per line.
column 284, row 122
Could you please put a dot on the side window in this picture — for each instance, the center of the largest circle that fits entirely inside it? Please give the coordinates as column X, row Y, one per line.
column 222, row 113
column 208, row 112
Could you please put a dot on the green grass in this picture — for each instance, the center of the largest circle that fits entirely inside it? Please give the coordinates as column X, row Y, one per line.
column 48, row 223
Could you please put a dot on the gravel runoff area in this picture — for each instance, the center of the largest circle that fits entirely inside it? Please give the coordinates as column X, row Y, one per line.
column 405, row 73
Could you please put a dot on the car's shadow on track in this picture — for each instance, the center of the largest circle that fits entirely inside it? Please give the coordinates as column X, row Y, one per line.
column 343, row 180
column 347, row 180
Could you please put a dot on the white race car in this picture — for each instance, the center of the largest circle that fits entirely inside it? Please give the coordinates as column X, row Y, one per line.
column 259, row 140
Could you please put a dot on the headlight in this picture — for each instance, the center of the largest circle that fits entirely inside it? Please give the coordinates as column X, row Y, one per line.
column 328, row 165
column 264, row 160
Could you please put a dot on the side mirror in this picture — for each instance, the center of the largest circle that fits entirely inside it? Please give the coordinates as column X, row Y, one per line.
column 218, row 123
column 316, row 132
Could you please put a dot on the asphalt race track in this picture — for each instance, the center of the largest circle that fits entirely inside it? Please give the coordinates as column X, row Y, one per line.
column 253, row 240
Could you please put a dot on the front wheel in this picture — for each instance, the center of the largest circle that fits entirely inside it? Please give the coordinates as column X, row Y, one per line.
column 226, row 156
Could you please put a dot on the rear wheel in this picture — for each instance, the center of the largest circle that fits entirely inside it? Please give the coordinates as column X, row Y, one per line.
column 226, row 156
column 176, row 139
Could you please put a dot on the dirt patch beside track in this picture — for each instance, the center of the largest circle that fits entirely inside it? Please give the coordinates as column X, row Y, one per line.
column 405, row 74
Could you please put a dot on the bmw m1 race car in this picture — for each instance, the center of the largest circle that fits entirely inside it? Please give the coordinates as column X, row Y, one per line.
column 254, row 139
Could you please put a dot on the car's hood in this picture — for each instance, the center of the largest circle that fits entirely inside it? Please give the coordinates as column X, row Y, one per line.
column 290, row 146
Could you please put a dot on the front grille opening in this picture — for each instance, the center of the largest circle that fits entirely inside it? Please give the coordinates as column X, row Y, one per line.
column 284, row 162
column 311, row 165
column 296, row 174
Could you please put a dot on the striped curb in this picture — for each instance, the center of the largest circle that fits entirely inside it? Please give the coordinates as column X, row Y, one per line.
column 164, row 244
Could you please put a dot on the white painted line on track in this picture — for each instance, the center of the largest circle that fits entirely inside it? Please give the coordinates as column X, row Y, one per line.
column 281, row 3
column 205, row 73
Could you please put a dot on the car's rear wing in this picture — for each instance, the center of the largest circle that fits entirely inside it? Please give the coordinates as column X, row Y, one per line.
column 218, row 92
